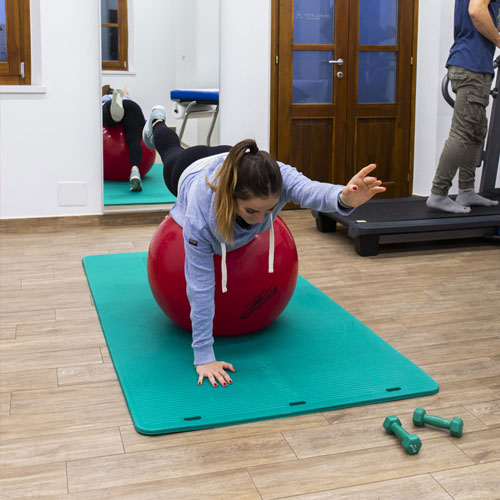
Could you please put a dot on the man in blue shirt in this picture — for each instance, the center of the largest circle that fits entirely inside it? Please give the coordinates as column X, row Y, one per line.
column 470, row 70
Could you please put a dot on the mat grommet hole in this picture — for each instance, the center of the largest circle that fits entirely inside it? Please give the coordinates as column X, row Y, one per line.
column 297, row 403
column 393, row 389
column 189, row 419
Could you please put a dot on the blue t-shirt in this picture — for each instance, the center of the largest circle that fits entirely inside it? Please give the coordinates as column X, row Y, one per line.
column 471, row 50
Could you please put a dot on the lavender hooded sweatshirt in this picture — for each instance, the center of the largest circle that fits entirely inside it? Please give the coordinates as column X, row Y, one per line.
column 194, row 211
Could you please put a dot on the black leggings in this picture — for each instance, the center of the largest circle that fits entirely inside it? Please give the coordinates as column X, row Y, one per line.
column 132, row 124
column 175, row 158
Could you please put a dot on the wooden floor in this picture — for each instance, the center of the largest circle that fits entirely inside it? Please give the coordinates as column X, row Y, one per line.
column 66, row 432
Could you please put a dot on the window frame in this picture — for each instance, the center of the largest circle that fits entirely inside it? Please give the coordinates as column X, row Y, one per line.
column 17, row 21
column 122, row 63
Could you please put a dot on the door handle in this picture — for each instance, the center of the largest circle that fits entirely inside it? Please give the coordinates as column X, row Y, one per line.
column 336, row 61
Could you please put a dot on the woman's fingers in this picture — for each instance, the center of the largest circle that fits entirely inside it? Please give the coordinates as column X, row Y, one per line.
column 228, row 366
column 362, row 178
column 369, row 180
column 366, row 170
column 227, row 378
column 373, row 183
column 211, row 379
column 221, row 377
column 224, row 377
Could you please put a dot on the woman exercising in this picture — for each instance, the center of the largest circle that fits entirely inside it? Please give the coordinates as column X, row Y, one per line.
column 225, row 197
column 119, row 109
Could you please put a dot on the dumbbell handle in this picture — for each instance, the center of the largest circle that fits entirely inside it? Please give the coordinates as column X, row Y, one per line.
column 437, row 421
column 400, row 432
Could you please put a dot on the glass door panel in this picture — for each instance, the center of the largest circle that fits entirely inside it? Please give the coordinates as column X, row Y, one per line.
column 3, row 33
column 313, row 21
column 378, row 22
column 312, row 77
column 313, row 49
column 377, row 77
column 378, row 51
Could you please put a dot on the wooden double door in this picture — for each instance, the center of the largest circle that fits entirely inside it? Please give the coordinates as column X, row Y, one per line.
column 342, row 87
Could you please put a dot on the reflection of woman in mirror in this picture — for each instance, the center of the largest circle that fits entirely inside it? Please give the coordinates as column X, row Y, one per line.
column 119, row 109
column 225, row 197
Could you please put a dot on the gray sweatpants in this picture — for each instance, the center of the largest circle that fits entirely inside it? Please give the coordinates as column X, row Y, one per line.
column 462, row 149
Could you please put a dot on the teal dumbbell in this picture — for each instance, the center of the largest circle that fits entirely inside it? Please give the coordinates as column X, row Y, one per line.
column 455, row 425
column 411, row 442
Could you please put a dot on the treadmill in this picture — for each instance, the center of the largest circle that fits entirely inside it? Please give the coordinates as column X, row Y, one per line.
column 399, row 220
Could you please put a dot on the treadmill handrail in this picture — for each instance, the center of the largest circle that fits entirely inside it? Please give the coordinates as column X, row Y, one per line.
column 446, row 92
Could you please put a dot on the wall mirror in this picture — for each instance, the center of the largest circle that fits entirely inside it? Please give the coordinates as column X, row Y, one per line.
column 150, row 47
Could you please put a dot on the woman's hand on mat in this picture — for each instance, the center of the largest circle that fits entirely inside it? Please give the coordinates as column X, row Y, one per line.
column 361, row 187
column 215, row 371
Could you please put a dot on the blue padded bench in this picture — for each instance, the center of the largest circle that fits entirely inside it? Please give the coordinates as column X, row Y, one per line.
column 196, row 103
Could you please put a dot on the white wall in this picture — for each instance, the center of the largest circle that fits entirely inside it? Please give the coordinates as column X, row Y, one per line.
column 197, row 59
column 207, row 49
column 208, row 62
column 432, row 113
column 51, row 137
column 245, row 41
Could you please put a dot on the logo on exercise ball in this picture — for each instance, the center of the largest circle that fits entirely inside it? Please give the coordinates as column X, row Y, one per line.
column 259, row 301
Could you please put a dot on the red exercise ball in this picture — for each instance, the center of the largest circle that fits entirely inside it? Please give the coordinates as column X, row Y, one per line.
column 254, row 297
column 116, row 159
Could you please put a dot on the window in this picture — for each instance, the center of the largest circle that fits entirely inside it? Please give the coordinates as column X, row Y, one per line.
column 114, row 35
column 15, row 54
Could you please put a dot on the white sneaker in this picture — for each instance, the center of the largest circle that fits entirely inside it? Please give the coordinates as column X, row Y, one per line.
column 116, row 108
column 158, row 112
column 135, row 180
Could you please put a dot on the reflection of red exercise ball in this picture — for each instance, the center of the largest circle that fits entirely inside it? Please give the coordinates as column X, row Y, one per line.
column 116, row 158
column 254, row 297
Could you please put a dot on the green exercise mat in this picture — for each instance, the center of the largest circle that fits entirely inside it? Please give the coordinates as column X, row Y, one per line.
column 314, row 357
column 153, row 190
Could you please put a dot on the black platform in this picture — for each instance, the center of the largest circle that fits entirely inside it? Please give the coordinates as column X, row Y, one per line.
column 406, row 220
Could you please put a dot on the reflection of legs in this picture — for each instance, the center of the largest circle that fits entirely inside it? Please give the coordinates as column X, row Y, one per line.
column 176, row 159
column 132, row 123
column 107, row 121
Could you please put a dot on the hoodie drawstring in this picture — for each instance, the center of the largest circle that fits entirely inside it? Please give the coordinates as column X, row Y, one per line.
column 223, row 266
column 271, row 246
